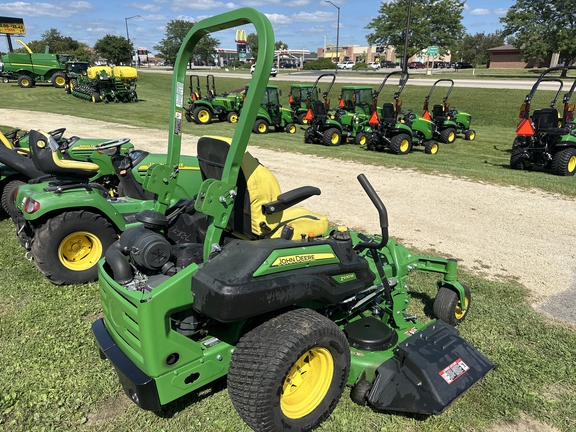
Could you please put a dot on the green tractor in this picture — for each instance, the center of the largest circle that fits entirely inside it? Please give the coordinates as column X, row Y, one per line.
column 288, row 309
column 67, row 222
column 448, row 120
column 397, row 130
column 299, row 98
column 546, row 138
column 203, row 110
column 271, row 113
column 105, row 84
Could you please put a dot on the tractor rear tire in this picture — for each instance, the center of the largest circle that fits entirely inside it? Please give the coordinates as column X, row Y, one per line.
column 448, row 135
column 260, row 126
column 401, row 144
column 8, row 195
column 302, row 119
column 361, row 139
column 202, row 115
column 67, row 247
column 188, row 116
column 58, row 80
column 447, row 306
column 470, row 135
column 290, row 128
column 232, row 117
column 24, row 81
column 518, row 160
column 308, row 136
column 332, row 137
column 431, row 147
column 289, row 372
column 564, row 162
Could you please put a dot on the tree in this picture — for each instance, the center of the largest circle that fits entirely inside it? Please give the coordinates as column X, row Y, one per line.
column 176, row 31
column 279, row 45
column 436, row 23
column 252, row 44
column 59, row 44
column 116, row 49
column 474, row 48
column 542, row 27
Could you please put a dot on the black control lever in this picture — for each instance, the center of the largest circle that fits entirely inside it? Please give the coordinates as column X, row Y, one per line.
column 382, row 212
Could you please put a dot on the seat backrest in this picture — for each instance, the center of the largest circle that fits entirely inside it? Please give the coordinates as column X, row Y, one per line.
column 388, row 113
column 547, row 119
column 46, row 156
column 438, row 112
column 319, row 109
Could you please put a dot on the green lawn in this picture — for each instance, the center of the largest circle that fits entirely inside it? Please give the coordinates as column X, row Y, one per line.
column 51, row 377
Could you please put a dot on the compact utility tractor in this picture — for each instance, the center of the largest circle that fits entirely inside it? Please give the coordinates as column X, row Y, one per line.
column 546, row 138
column 299, row 98
column 67, row 222
column 397, row 130
column 105, row 84
column 448, row 120
column 271, row 113
column 202, row 110
column 290, row 310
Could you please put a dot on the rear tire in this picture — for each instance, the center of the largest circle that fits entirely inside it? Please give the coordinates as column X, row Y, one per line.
column 24, row 81
column 401, row 144
column 447, row 306
column 302, row 119
column 232, row 117
column 202, row 115
column 188, row 116
column 289, row 372
column 448, row 135
column 67, row 247
column 360, row 139
column 8, row 195
column 564, row 162
column 332, row 137
column 518, row 159
column 58, row 80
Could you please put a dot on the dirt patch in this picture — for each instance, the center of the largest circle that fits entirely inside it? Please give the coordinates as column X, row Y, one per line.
column 498, row 232
column 109, row 410
column 526, row 424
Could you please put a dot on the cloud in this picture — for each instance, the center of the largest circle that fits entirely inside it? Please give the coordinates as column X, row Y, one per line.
column 501, row 11
column 145, row 7
column 178, row 5
column 314, row 17
column 277, row 19
column 57, row 9
column 480, row 11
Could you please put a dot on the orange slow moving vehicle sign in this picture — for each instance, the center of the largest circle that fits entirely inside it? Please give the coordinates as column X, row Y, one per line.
column 12, row 26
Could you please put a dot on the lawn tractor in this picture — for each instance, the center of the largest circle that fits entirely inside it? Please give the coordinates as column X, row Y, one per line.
column 105, row 84
column 397, row 130
column 546, row 138
column 67, row 222
column 288, row 309
column 448, row 121
column 350, row 121
column 303, row 95
column 203, row 110
column 17, row 167
column 271, row 113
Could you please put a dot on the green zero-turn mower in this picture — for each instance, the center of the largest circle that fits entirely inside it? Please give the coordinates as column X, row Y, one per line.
column 290, row 311
column 448, row 120
column 546, row 139
column 17, row 167
column 397, row 130
column 202, row 110
column 67, row 222
column 271, row 113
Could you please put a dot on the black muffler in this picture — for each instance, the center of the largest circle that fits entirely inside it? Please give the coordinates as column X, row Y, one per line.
column 428, row 372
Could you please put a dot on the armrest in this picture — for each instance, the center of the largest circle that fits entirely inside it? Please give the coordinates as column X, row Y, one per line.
column 290, row 198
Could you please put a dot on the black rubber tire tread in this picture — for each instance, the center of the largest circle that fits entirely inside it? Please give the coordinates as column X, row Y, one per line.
column 302, row 119
column 48, row 237
column 470, row 135
column 308, row 136
column 361, row 139
column 327, row 137
column 264, row 356
column 431, row 147
column 96, row 98
column 517, row 160
column 445, row 304
column 24, row 81
column 232, row 117
column 519, row 142
column 290, row 128
column 257, row 123
column 8, row 194
column 196, row 115
column 55, row 77
column 445, row 135
column 188, row 116
column 396, row 142
column 359, row 393
column 561, row 160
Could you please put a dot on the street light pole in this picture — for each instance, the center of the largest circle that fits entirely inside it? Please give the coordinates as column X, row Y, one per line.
column 337, row 33
column 128, row 36
column 405, row 66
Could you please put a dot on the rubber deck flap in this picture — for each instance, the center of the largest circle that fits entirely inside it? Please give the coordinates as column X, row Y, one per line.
column 428, row 372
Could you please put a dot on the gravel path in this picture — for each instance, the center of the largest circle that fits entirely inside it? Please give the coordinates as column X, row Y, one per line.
column 497, row 232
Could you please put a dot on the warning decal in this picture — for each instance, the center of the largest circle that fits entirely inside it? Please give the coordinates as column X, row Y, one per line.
column 454, row 371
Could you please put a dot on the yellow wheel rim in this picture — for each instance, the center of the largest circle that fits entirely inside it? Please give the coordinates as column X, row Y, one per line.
column 262, row 128
column 60, row 81
column 307, row 383
column 434, row 149
column 292, row 129
column 334, row 139
column 234, row 118
column 472, row 136
column 458, row 312
column 362, row 140
column 304, row 121
column 80, row 251
column 451, row 137
column 203, row 116
column 25, row 82
column 572, row 164
column 404, row 146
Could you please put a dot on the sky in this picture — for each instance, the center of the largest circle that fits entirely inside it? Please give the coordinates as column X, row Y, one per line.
column 301, row 24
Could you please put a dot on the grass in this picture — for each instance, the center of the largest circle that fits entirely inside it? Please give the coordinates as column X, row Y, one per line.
column 52, row 378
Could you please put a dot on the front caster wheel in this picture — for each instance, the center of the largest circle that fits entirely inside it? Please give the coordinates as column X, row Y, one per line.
column 447, row 306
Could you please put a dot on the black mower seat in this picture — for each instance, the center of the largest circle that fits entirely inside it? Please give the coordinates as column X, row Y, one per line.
column 47, row 158
column 388, row 114
column 13, row 157
column 319, row 110
column 438, row 113
column 547, row 119
column 261, row 209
